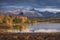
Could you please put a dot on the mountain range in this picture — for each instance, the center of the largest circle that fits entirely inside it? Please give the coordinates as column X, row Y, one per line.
column 33, row 13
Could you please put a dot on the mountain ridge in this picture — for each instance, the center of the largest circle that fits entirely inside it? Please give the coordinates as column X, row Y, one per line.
column 33, row 13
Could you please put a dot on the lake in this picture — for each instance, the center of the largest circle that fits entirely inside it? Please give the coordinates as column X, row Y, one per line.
column 39, row 27
column 42, row 27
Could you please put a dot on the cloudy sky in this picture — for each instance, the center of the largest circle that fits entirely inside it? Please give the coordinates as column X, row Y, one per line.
column 16, row 4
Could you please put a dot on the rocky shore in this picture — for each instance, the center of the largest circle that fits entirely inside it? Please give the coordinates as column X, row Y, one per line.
column 29, row 36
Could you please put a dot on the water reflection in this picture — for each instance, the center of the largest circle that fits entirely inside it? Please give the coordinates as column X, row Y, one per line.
column 27, row 28
column 50, row 27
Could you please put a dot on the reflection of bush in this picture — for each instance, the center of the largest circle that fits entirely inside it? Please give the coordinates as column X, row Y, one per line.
column 17, row 27
column 28, row 21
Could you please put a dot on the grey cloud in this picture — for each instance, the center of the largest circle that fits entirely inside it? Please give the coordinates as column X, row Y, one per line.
column 29, row 3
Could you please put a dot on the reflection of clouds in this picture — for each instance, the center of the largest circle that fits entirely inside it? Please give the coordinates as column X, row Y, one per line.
column 44, row 28
column 35, row 31
column 48, row 30
column 40, row 30
column 26, row 29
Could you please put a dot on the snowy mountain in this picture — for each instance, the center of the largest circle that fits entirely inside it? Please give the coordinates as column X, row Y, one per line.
column 33, row 13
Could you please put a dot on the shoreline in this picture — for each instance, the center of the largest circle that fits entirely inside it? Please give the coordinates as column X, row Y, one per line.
column 30, row 36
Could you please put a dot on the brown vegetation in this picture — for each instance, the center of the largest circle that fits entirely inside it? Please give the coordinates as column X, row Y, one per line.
column 30, row 36
column 11, row 21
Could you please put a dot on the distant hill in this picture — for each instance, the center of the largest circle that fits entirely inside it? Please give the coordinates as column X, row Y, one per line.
column 57, row 15
column 33, row 13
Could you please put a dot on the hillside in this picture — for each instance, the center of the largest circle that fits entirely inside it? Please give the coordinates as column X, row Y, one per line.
column 33, row 13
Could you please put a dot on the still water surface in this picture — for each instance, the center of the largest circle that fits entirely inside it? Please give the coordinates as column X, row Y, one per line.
column 42, row 27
